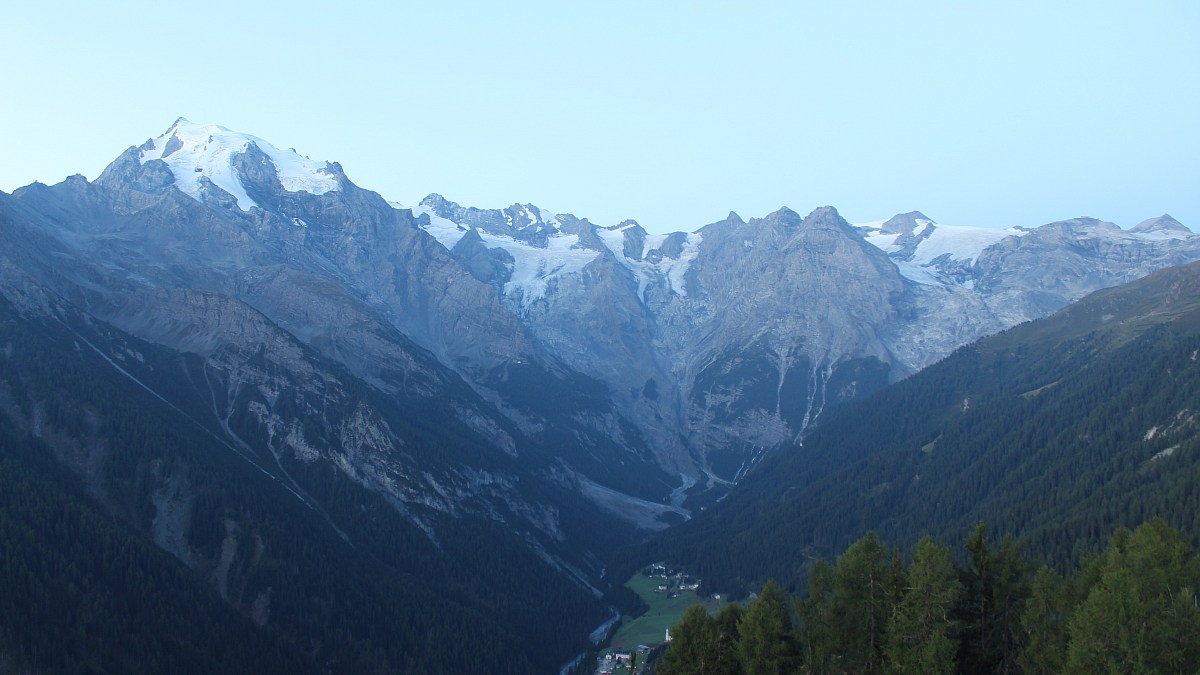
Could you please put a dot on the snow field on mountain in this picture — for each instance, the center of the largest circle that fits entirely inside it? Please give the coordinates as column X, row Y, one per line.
column 533, row 268
column 207, row 151
column 446, row 231
column 645, row 271
column 958, row 242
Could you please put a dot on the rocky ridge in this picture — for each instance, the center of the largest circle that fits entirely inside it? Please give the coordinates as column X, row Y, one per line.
column 733, row 339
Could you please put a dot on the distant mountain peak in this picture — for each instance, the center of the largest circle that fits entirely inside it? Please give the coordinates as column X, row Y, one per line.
column 905, row 223
column 785, row 216
column 824, row 214
column 511, row 221
column 1164, row 223
column 435, row 201
column 200, row 155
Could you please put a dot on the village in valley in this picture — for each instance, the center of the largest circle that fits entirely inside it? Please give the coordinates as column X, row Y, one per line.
column 667, row 592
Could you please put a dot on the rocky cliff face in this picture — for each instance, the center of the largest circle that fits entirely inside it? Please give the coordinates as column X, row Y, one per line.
column 733, row 339
column 1031, row 276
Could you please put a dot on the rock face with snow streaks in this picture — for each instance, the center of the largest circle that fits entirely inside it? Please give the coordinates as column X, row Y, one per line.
column 654, row 364
column 731, row 340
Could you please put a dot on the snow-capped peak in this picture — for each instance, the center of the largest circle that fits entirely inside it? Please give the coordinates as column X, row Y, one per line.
column 924, row 250
column 544, row 248
column 197, row 151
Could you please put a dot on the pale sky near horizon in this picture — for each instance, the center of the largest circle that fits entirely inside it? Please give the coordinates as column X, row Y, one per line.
column 975, row 113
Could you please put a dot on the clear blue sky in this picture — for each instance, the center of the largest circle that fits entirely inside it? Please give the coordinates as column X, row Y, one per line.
column 977, row 113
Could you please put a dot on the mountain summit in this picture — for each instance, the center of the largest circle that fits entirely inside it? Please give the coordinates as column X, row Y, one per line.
column 201, row 158
column 1164, row 224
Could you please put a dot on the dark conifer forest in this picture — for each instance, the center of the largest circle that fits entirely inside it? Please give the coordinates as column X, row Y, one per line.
column 1132, row 608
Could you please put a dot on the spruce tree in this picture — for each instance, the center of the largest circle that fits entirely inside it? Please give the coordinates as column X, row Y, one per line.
column 725, row 656
column 1045, row 624
column 693, row 642
column 765, row 642
column 859, row 607
column 921, row 635
column 814, row 634
column 995, row 584
column 1142, row 615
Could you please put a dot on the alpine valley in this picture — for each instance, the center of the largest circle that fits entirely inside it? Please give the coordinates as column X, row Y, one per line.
column 256, row 418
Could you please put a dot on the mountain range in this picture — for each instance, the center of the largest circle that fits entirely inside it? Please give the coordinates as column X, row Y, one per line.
column 733, row 339
column 512, row 380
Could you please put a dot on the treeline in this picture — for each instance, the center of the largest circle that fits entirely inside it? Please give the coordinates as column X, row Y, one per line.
column 1131, row 609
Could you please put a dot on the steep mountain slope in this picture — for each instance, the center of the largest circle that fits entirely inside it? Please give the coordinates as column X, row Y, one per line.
column 359, row 533
column 731, row 340
column 1057, row 430
column 341, row 271
column 81, row 594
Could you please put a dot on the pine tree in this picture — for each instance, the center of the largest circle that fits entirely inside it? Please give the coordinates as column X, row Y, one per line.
column 1141, row 616
column 995, row 584
column 859, row 608
column 765, row 642
column 814, row 635
column 693, row 642
column 725, row 656
column 920, row 637
column 1044, row 622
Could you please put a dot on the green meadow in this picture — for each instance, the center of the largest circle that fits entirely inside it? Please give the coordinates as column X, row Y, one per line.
column 650, row 628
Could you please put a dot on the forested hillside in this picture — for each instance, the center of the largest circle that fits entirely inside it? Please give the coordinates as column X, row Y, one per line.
column 297, row 570
column 1057, row 431
column 86, row 595
column 1130, row 609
